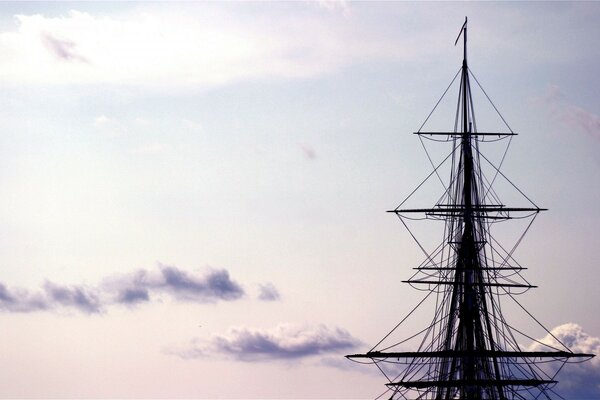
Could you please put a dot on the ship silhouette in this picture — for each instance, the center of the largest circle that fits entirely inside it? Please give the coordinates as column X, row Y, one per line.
column 470, row 350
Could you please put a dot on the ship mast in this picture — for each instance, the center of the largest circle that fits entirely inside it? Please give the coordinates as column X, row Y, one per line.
column 469, row 351
column 472, row 304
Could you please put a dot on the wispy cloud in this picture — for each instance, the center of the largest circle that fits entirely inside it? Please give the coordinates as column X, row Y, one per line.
column 556, row 104
column 268, row 292
column 577, row 380
column 284, row 342
column 130, row 289
column 308, row 151
column 62, row 49
column 190, row 351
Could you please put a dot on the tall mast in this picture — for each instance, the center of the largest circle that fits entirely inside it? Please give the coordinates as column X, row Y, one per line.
column 466, row 251
column 472, row 309
column 469, row 351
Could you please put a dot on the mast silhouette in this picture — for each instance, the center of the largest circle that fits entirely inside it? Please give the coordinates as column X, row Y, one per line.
column 469, row 351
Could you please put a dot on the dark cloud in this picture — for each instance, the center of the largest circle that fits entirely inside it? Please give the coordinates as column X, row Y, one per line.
column 50, row 297
column 285, row 342
column 133, row 296
column 21, row 300
column 210, row 287
column 127, row 289
column 73, row 296
column 576, row 380
column 62, row 49
column 216, row 285
column 268, row 292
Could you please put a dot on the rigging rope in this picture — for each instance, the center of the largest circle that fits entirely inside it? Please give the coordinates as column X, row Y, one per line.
column 438, row 102
column 400, row 323
column 490, row 100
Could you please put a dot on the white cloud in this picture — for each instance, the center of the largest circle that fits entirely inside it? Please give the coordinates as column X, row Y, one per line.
column 204, row 44
column 201, row 48
column 577, row 380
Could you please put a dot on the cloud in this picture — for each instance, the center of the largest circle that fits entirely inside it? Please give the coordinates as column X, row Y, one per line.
column 284, row 342
column 308, row 151
column 190, row 351
column 570, row 115
column 20, row 300
column 151, row 45
column 133, row 296
column 268, row 292
column 584, row 120
column 78, row 297
column 576, row 380
column 62, row 49
column 130, row 289
column 216, row 285
column 181, row 285
column 51, row 297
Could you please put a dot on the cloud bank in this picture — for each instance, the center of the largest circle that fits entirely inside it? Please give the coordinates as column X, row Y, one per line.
column 284, row 342
column 130, row 289
column 576, row 380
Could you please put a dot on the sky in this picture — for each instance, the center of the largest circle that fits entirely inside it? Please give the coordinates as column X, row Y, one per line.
column 193, row 195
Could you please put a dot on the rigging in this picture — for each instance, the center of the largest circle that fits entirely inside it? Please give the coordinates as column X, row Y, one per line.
column 469, row 351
